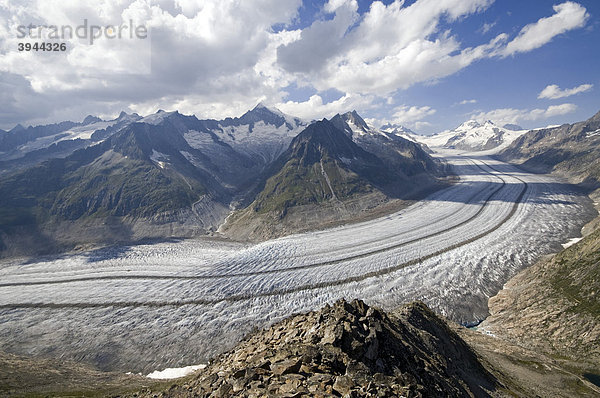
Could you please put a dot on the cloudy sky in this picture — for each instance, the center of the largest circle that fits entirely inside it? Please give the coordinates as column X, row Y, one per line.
column 426, row 64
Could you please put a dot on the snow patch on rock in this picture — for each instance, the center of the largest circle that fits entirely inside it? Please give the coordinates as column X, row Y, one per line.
column 174, row 373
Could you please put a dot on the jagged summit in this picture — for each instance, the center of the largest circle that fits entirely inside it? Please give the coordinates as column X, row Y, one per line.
column 262, row 109
column 158, row 117
column 347, row 349
column 394, row 126
column 18, row 127
column 124, row 115
column 325, row 136
column 354, row 126
column 265, row 114
column 358, row 121
column 399, row 130
column 89, row 119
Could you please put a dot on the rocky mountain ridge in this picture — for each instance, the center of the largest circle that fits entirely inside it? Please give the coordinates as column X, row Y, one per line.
column 334, row 171
column 170, row 175
column 570, row 150
column 346, row 349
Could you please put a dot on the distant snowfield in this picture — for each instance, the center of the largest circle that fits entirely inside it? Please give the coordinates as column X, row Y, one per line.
column 78, row 132
column 473, row 135
column 149, row 307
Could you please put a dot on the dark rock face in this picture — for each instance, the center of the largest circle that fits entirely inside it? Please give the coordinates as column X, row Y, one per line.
column 399, row 154
column 513, row 127
column 258, row 114
column 348, row 349
column 322, row 163
column 572, row 150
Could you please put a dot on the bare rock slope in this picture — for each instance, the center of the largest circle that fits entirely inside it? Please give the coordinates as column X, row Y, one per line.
column 553, row 306
column 348, row 349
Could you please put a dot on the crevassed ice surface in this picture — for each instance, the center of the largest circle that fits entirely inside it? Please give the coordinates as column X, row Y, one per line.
column 148, row 307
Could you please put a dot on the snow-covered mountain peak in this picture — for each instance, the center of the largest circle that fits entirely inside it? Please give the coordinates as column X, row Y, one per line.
column 89, row 119
column 357, row 122
column 469, row 124
column 157, row 117
column 126, row 116
column 473, row 136
column 263, row 132
column 396, row 129
column 353, row 124
column 262, row 108
column 399, row 130
column 262, row 105
column 474, row 124
column 268, row 115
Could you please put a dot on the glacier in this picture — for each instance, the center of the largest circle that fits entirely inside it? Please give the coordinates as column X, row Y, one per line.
column 170, row 304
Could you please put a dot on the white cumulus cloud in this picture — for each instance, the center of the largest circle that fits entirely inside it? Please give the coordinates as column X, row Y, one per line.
column 552, row 91
column 568, row 16
column 410, row 114
column 514, row 116
column 315, row 108
column 216, row 58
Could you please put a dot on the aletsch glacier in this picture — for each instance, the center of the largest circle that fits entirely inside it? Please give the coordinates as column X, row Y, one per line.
column 149, row 307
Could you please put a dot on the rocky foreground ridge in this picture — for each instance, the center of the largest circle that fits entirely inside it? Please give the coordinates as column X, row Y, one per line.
column 347, row 349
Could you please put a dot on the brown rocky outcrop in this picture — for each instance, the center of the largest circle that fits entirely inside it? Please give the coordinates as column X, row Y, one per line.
column 348, row 349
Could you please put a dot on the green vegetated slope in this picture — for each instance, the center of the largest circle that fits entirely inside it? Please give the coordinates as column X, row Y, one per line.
column 554, row 306
column 116, row 178
column 41, row 377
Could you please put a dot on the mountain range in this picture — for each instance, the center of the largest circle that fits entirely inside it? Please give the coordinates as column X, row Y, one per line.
column 171, row 175
column 336, row 170
column 474, row 136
